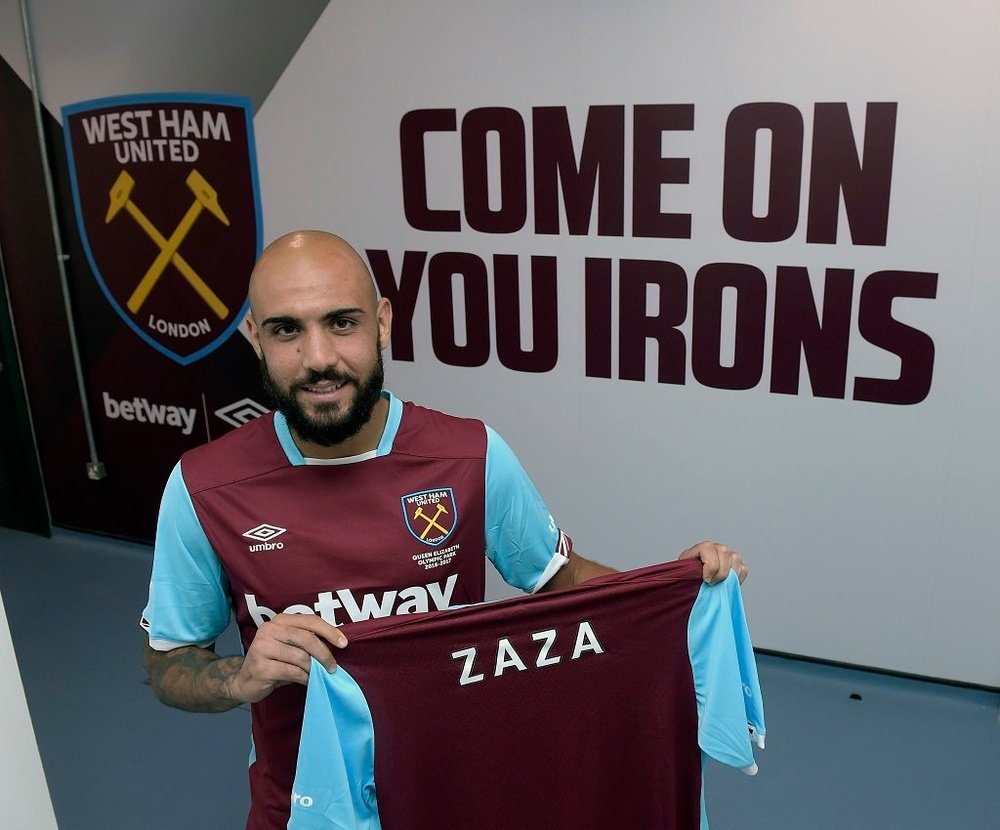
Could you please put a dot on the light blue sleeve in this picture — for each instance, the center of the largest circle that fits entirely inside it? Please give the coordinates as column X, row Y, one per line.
column 334, row 786
column 189, row 601
column 730, row 708
column 522, row 539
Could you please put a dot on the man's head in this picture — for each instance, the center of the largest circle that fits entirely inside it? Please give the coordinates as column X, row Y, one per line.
column 319, row 328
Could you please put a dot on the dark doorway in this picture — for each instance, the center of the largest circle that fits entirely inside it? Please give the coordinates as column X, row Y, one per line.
column 22, row 494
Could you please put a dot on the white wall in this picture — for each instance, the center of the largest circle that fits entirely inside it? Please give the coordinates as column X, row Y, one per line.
column 24, row 795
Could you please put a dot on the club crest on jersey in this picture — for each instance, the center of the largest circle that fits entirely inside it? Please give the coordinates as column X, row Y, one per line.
column 167, row 204
column 430, row 515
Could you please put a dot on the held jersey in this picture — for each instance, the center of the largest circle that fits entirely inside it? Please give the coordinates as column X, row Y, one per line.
column 589, row 709
column 249, row 527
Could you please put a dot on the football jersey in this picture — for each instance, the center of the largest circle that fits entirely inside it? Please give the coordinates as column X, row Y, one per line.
column 588, row 708
column 251, row 528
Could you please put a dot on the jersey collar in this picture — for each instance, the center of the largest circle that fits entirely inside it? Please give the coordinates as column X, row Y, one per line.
column 294, row 454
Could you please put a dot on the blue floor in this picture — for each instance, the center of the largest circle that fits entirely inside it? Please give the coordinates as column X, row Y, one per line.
column 846, row 750
column 853, row 750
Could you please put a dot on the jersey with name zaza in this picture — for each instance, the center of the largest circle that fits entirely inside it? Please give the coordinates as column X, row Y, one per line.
column 587, row 709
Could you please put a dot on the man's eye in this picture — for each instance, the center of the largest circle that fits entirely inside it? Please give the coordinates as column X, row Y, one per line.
column 283, row 331
column 343, row 323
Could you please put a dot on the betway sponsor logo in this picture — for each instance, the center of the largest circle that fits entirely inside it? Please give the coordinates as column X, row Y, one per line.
column 339, row 607
column 141, row 410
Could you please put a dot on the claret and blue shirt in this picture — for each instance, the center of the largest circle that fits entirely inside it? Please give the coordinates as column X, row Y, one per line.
column 386, row 543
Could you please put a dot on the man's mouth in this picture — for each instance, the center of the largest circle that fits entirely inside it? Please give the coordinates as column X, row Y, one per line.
column 323, row 388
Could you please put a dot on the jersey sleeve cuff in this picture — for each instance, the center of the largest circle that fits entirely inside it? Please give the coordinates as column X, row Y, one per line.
column 169, row 645
column 159, row 644
column 558, row 560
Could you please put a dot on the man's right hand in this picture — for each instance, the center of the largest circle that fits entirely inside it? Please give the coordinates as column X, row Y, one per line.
column 198, row 680
column 281, row 653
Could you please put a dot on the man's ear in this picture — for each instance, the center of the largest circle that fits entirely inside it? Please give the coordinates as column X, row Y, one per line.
column 384, row 317
column 248, row 328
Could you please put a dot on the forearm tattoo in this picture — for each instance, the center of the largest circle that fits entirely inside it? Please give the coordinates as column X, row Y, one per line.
column 192, row 678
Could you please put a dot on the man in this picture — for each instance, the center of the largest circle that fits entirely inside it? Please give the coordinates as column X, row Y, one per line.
column 343, row 505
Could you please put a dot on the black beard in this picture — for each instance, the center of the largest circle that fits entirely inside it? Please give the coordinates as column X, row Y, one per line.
column 331, row 426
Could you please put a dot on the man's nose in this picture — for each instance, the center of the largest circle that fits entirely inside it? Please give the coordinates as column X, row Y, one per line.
column 319, row 350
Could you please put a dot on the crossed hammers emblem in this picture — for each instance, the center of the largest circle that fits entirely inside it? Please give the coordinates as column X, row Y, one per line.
column 432, row 521
column 205, row 198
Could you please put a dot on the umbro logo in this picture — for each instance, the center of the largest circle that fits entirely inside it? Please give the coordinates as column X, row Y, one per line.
column 241, row 412
column 263, row 534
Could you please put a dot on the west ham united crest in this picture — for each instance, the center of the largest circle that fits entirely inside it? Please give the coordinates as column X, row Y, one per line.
column 167, row 202
column 430, row 515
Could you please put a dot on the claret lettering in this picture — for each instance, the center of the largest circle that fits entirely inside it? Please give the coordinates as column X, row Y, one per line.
column 837, row 167
column 461, row 280
column 618, row 170
column 728, row 336
column 710, row 327
column 595, row 175
column 507, row 658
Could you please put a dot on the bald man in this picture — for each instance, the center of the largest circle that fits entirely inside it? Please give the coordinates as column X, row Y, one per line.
column 344, row 504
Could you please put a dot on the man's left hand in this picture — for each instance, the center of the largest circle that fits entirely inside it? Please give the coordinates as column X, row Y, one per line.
column 717, row 560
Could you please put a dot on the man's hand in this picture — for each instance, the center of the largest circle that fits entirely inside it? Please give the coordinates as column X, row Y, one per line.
column 198, row 680
column 280, row 654
column 718, row 560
